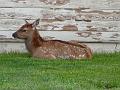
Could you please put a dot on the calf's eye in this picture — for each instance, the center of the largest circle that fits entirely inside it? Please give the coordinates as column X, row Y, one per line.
column 24, row 30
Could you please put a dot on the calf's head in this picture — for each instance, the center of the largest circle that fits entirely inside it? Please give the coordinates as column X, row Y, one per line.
column 26, row 30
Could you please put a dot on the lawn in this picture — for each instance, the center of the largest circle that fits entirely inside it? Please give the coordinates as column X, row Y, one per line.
column 19, row 71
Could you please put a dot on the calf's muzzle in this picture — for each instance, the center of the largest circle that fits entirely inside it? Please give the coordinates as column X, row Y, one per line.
column 14, row 35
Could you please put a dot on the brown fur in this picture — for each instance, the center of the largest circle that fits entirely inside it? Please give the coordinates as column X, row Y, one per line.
column 36, row 40
column 53, row 49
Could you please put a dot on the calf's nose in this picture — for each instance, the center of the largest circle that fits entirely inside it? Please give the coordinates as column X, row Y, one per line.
column 14, row 35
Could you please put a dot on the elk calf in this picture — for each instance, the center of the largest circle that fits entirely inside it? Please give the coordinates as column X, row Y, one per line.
column 52, row 49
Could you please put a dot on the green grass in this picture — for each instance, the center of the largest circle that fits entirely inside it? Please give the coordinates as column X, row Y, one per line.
column 22, row 72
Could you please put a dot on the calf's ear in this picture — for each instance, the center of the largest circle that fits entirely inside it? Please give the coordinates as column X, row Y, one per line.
column 35, row 23
column 26, row 21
